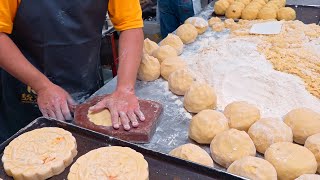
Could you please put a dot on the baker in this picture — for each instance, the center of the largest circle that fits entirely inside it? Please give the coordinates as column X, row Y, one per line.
column 49, row 53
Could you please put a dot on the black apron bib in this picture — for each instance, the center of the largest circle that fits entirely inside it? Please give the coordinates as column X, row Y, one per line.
column 62, row 39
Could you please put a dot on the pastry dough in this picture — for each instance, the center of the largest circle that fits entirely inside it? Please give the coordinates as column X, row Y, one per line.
column 39, row 154
column 102, row 118
column 115, row 162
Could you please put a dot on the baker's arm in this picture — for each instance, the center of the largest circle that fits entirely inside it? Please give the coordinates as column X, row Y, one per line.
column 123, row 102
column 52, row 100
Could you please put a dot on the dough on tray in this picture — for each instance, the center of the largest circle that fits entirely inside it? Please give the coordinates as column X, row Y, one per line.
column 192, row 153
column 187, row 33
column 199, row 23
column 253, row 168
column 231, row 145
column 313, row 144
column 206, row 125
column 291, row 160
column 170, row 65
column 112, row 162
column 173, row 41
column 149, row 69
column 39, row 154
column 268, row 131
column 149, row 46
column 164, row 52
column 180, row 81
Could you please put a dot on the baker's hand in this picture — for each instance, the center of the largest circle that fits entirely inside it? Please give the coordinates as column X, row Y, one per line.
column 121, row 104
column 54, row 102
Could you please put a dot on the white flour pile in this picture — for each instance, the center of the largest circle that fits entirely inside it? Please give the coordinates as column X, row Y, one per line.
column 237, row 71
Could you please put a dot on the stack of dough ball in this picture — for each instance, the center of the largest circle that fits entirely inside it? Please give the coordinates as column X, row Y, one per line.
column 267, row 13
column 286, row 13
column 200, row 96
column 218, row 26
column 206, row 125
column 164, row 52
column 251, row 11
column 170, row 65
column 173, row 41
column 221, row 6
column 309, row 177
column 313, row 144
column 149, row 46
column 179, row 81
column 214, row 20
column 235, row 9
column 245, row 2
column 229, row 23
column 192, row 153
column 268, row 131
column 278, row 3
column 231, row 145
column 291, row 160
column 253, row 168
column 304, row 122
column 187, row 33
column 199, row 23
column 261, row 2
column 149, row 69
column 241, row 115
column 112, row 162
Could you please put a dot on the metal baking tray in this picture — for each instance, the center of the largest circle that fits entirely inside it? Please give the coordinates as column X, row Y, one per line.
column 306, row 13
column 161, row 166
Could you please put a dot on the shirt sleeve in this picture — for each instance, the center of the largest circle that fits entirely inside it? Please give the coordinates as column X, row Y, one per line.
column 125, row 14
column 8, row 10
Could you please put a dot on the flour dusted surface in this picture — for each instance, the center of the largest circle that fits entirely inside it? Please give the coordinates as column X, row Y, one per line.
column 238, row 72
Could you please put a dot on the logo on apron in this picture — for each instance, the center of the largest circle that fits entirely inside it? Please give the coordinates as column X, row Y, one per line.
column 30, row 96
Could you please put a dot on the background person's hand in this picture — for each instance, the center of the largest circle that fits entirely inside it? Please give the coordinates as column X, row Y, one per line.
column 54, row 102
column 121, row 104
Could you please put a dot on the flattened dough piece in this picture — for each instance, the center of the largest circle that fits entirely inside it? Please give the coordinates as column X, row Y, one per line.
column 39, row 154
column 115, row 162
column 102, row 118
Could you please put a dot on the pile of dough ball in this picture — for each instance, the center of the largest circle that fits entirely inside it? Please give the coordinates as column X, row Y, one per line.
column 255, row 9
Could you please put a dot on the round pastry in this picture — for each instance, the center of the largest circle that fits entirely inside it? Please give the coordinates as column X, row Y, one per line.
column 231, row 145
column 199, row 97
column 286, row 13
column 221, row 6
column 229, row 23
column 206, row 125
column 313, row 144
column 187, row 33
column 213, row 20
column 241, row 115
column 304, row 122
column 112, row 162
column 268, row 131
column 180, row 81
column 149, row 46
column 170, row 65
column 164, row 52
column 173, row 41
column 39, row 154
column 267, row 13
column 149, row 69
column 291, row 160
column 198, row 22
column 192, row 153
column 253, row 168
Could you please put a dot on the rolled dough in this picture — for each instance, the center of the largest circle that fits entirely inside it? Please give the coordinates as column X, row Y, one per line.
column 102, row 118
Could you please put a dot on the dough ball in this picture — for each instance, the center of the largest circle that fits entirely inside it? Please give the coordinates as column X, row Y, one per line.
column 245, row 2
column 304, row 122
column 239, row 3
column 149, row 46
column 241, row 115
column 255, row 4
column 173, row 41
column 213, row 20
column 164, row 52
column 200, row 96
column 231, row 145
column 313, row 144
column 228, row 23
column 309, row 177
column 192, row 153
column 272, row 6
column 198, row 22
column 291, row 160
column 279, row 3
column 220, row 7
column 149, row 69
column 253, row 168
column 286, row 13
column 250, row 13
column 234, row 11
column 187, row 33
column 206, row 125
column 180, row 81
column 268, row 131
column 218, row 26
column 170, row 65
column 230, row 1
column 262, row 2
column 267, row 13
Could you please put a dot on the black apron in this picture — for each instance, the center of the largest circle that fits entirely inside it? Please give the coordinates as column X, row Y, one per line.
column 62, row 39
